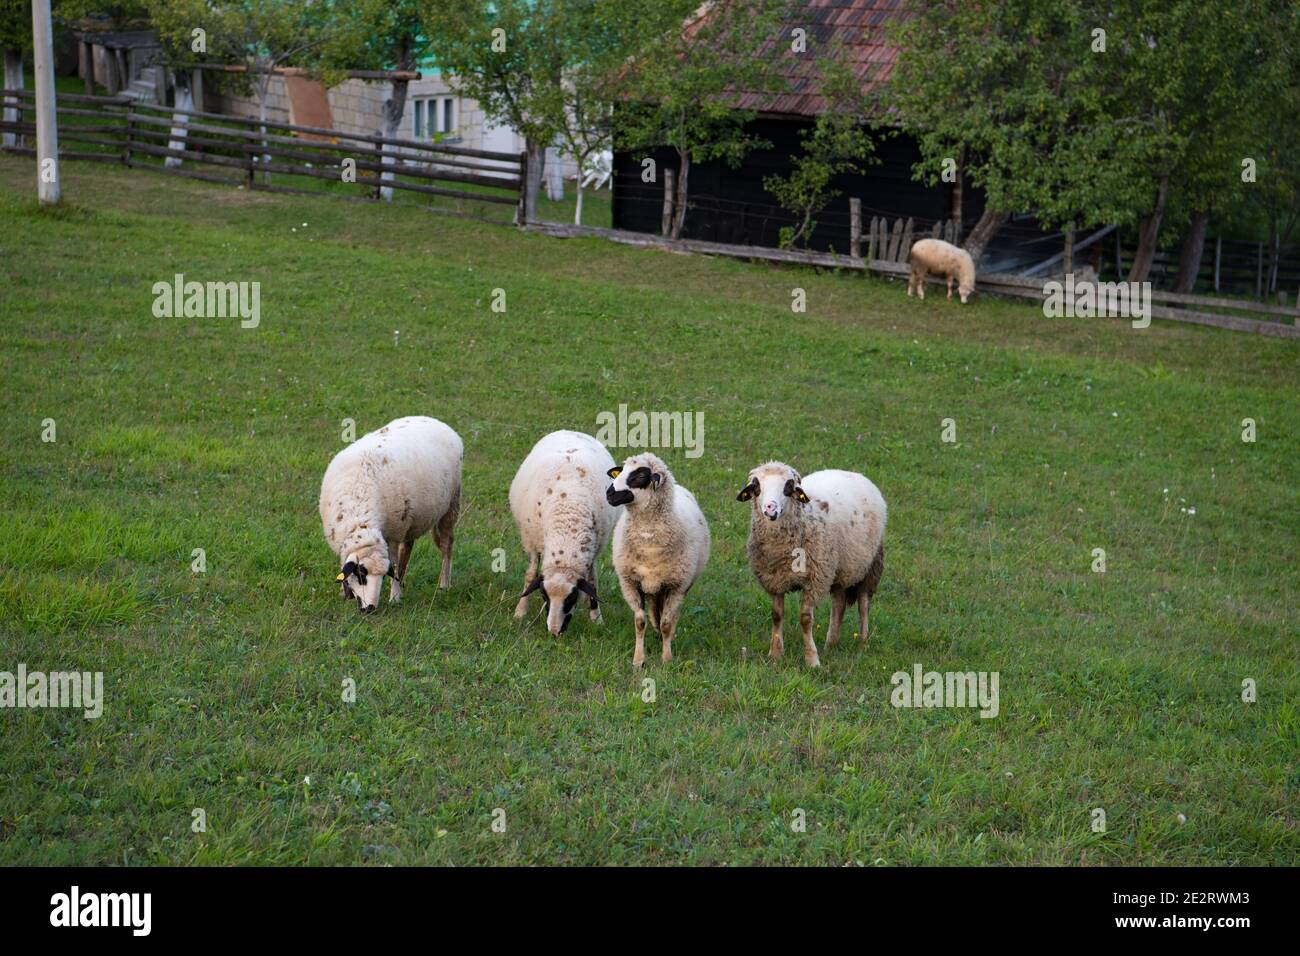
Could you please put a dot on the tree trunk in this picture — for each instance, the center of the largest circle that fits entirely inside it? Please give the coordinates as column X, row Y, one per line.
column 986, row 227
column 958, row 193
column 13, row 81
column 394, row 109
column 1189, row 257
column 264, row 91
column 1148, row 235
column 577, row 209
column 536, row 162
column 684, row 171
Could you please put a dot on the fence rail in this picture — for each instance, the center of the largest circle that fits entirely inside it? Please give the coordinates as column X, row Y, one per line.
column 248, row 151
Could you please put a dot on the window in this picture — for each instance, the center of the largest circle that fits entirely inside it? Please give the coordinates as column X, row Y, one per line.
column 435, row 115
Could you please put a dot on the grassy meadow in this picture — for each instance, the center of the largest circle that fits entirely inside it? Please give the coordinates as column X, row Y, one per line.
column 1119, row 690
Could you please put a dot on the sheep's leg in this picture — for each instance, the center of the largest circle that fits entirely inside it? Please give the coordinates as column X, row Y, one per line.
column 670, row 607
column 444, row 534
column 920, row 284
column 522, row 607
column 634, row 598
column 839, row 601
column 595, row 586
column 950, row 281
column 654, row 605
column 778, row 613
column 399, row 573
column 807, row 603
column 872, row 582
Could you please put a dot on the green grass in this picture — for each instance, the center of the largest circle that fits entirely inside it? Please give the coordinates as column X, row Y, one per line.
column 1118, row 690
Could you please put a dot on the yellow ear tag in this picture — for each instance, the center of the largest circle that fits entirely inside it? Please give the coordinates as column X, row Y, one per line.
column 340, row 577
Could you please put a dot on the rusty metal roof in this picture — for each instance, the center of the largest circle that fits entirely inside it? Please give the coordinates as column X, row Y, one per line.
column 860, row 26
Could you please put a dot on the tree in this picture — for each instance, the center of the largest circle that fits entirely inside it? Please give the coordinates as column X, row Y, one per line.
column 837, row 143
column 1020, row 92
column 264, row 35
column 379, row 35
column 1194, row 80
column 681, row 89
column 545, row 67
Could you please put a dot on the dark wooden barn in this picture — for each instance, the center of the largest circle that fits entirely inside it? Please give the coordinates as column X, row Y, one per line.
column 731, row 205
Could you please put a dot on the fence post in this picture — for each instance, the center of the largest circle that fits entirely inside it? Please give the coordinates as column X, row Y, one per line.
column 1259, row 269
column 86, row 66
column 1218, row 257
column 130, row 131
column 666, row 223
column 905, row 247
column 871, row 242
column 1069, row 251
column 855, row 227
column 895, row 237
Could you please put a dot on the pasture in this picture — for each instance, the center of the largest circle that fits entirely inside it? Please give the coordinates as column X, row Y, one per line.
column 1119, row 690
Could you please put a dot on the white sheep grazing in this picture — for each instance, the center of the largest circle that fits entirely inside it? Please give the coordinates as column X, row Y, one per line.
column 661, row 544
column 381, row 493
column 942, row 259
column 558, row 500
column 822, row 534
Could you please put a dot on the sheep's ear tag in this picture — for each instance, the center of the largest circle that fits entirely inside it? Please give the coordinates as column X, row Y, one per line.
column 340, row 577
column 614, row 472
column 799, row 493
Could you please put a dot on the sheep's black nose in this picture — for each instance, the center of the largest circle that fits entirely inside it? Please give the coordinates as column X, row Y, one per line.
column 615, row 497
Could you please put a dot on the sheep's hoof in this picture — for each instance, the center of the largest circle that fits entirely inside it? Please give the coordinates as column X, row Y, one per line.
column 520, row 611
column 667, row 656
column 813, row 661
column 638, row 663
column 595, row 616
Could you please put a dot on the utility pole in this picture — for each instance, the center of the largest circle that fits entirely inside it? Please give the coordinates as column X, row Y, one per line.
column 47, row 133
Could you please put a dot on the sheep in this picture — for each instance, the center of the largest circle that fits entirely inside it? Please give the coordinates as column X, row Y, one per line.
column 661, row 544
column 943, row 259
column 558, row 501
column 821, row 534
column 381, row 493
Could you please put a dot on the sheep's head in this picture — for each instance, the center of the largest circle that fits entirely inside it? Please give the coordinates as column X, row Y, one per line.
column 560, row 588
column 365, row 562
column 772, row 486
column 964, row 289
column 640, row 479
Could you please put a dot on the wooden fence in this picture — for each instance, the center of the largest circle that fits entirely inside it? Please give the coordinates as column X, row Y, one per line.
column 246, row 151
column 1276, row 321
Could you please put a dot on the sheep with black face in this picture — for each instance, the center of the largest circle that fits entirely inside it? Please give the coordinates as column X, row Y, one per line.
column 819, row 535
column 381, row 494
column 661, row 544
column 558, row 502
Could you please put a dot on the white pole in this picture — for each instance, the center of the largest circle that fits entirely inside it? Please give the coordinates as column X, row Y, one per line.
column 47, row 133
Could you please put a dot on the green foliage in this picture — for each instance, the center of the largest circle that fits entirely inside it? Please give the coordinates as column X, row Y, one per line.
column 838, row 143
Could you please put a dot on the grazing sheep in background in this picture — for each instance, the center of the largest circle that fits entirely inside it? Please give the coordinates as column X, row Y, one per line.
column 661, row 544
column 381, row 493
column 558, row 501
column 942, row 259
column 820, row 535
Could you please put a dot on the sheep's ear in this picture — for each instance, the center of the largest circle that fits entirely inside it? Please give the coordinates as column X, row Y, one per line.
column 349, row 568
column 587, row 589
column 656, row 478
column 536, row 583
column 748, row 491
column 615, row 471
column 792, row 490
column 799, row 495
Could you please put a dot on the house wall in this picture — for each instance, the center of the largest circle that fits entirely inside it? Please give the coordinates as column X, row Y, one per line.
column 357, row 107
column 732, row 205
